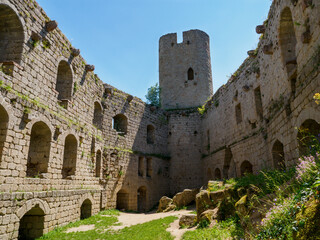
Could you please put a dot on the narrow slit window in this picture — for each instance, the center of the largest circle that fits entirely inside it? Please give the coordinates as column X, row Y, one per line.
column 190, row 74
column 238, row 114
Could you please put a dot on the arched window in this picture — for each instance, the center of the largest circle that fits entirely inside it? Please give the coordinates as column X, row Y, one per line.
column 142, row 199
column 190, row 74
column 150, row 134
column 4, row 121
column 278, row 155
column 97, row 116
column 32, row 224
column 85, row 210
column 308, row 136
column 120, row 124
column 288, row 42
column 217, row 174
column 69, row 156
column 246, row 168
column 64, row 83
column 98, row 163
column 11, row 35
column 39, row 150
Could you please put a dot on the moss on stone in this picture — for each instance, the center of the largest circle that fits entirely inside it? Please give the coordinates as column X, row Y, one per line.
column 309, row 220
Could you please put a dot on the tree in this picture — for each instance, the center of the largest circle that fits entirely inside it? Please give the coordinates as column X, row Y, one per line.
column 153, row 95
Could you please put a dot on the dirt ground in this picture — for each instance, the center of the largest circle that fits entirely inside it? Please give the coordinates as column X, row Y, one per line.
column 130, row 219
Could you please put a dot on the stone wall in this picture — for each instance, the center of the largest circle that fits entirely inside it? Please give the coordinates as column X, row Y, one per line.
column 274, row 91
column 71, row 145
column 62, row 131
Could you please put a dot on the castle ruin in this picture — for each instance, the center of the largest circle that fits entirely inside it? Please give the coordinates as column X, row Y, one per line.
column 71, row 145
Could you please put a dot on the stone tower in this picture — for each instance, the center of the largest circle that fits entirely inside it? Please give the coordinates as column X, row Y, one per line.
column 185, row 70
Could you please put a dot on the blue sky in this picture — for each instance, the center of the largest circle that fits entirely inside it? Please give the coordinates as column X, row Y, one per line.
column 120, row 37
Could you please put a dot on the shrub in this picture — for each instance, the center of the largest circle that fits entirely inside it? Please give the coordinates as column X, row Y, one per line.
column 153, row 95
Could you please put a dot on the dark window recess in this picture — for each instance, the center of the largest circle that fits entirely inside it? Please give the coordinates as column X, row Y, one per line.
column 238, row 114
column 120, row 124
column 150, row 134
column 190, row 74
column 258, row 102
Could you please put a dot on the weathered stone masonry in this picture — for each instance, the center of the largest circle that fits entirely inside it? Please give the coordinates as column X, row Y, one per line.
column 71, row 145
column 271, row 93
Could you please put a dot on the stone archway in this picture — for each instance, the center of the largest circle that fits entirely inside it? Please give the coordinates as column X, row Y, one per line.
column 86, row 209
column 32, row 218
column 217, row 174
column 278, row 156
column 32, row 224
column 246, row 168
column 308, row 136
column 122, row 200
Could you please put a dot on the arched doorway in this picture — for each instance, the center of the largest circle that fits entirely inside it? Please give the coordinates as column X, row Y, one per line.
column 246, row 168
column 217, row 174
column 32, row 224
column 122, row 200
column 142, row 199
column 278, row 156
column 308, row 137
column 85, row 210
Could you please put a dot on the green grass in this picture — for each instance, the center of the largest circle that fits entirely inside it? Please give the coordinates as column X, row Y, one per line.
column 228, row 229
column 154, row 230
column 266, row 181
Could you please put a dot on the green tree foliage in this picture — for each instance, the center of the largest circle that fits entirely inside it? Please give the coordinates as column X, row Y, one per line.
column 153, row 95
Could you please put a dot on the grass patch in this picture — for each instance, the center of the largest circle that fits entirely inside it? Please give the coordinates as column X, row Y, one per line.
column 229, row 229
column 100, row 222
column 266, row 181
column 110, row 212
column 153, row 230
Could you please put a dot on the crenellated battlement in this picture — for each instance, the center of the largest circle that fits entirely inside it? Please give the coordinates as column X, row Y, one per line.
column 185, row 70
